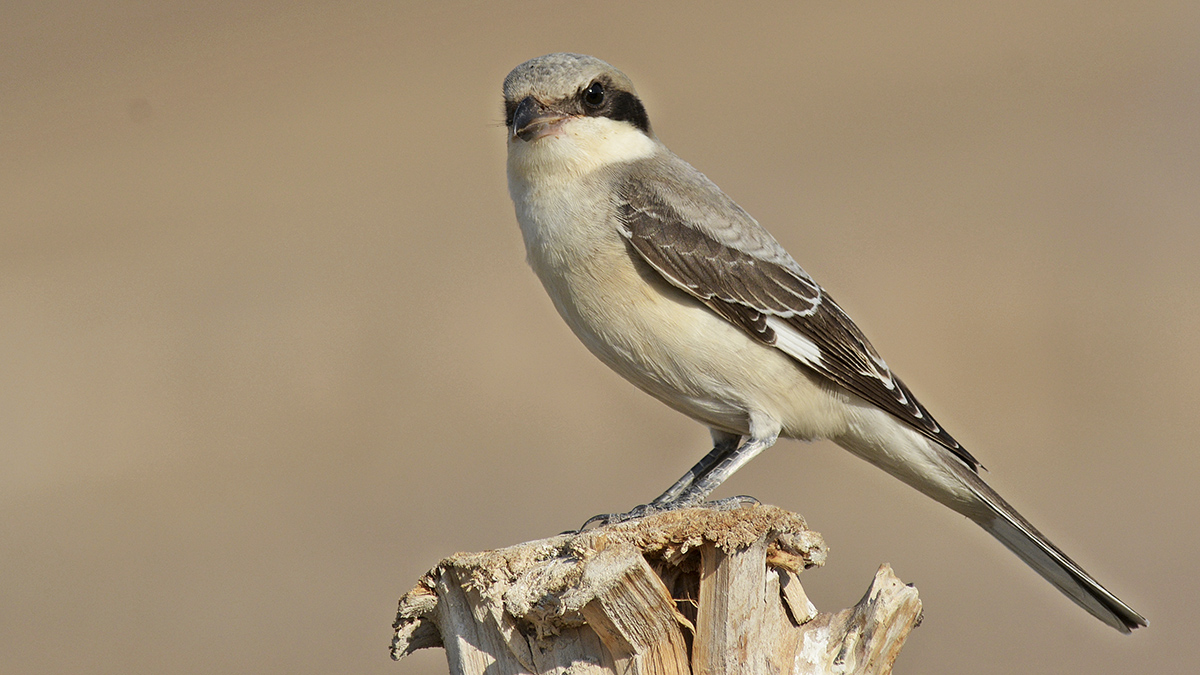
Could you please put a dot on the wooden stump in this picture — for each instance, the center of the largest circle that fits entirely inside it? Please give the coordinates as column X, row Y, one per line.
column 691, row 591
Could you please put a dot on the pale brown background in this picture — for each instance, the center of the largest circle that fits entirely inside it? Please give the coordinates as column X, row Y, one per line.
column 268, row 346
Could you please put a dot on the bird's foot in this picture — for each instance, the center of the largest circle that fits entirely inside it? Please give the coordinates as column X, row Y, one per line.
column 639, row 511
column 653, row 508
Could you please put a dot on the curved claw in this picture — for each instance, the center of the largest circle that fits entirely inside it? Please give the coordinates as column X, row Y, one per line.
column 639, row 511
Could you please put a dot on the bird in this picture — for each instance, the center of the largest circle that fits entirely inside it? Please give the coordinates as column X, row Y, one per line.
column 670, row 283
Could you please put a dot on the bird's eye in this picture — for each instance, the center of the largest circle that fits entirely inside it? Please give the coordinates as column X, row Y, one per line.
column 593, row 96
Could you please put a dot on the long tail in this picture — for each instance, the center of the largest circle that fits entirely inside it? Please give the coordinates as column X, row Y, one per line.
column 1047, row 560
column 924, row 464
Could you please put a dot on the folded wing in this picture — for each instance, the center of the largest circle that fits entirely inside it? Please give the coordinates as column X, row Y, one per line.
column 774, row 301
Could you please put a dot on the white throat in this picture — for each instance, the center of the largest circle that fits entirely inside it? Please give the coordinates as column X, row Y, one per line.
column 580, row 146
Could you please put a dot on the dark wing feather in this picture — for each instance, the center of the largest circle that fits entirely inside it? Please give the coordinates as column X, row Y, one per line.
column 746, row 289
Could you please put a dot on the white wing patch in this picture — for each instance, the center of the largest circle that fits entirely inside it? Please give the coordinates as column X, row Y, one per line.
column 791, row 342
column 796, row 345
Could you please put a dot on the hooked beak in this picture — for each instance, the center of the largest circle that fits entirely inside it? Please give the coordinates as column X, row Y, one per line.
column 532, row 120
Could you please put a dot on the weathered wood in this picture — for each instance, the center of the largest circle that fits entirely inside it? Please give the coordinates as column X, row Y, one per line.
column 692, row 591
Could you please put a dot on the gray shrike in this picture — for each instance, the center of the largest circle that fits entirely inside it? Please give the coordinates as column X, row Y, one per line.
column 675, row 287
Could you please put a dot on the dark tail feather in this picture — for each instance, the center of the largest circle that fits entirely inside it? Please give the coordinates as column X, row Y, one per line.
column 1031, row 546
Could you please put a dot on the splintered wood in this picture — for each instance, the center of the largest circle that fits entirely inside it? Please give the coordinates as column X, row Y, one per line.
column 690, row 591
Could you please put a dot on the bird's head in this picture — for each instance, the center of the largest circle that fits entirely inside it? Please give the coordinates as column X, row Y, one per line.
column 573, row 111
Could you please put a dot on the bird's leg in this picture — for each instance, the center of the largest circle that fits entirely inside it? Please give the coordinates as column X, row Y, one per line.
column 728, row 464
column 723, row 444
column 725, row 458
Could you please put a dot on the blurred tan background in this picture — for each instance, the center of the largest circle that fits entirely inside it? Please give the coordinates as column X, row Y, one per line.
column 269, row 348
